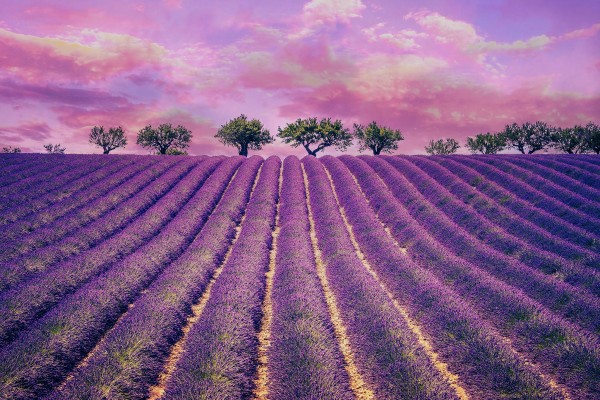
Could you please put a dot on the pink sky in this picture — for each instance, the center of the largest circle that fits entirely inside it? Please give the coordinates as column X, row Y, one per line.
column 430, row 68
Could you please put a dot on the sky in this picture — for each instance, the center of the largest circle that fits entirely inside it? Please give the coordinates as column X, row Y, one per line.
column 431, row 68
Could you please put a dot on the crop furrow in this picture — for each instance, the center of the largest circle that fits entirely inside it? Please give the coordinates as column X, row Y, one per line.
column 113, row 237
column 218, row 356
column 31, row 172
column 131, row 357
column 494, row 227
column 556, row 346
column 388, row 354
column 45, row 188
column 529, row 196
column 563, row 174
column 261, row 380
column 304, row 358
column 487, row 367
column 53, row 345
column 577, row 306
column 26, row 302
column 543, row 183
column 513, row 204
column 27, row 217
column 43, row 230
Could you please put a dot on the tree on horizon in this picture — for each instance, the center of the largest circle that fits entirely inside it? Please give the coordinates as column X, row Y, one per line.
column 108, row 140
column 308, row 132
column 244, row 134
column 164, row 137
column 377, row 138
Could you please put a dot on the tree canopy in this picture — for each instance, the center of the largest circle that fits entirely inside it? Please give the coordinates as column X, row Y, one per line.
column 486, row 143
column 529, row 138
column 570, row 140
column 164, row 137
column 108, row 140
column 377, row 138
column 592, row 137
column 244, row 134
column 54, row 149
column 442, row 146
column 10, row 149
column 310, row 132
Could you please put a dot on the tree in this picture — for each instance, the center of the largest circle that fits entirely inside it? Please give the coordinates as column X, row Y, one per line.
column 442, row 146
column 11, row 149
column 308, row 132
column 570, row 140
column 114, row 138
column 54, row 149
column 377, row 138
column 486, row 143
column 529, row 137
column 164, row 137
column 244, row 134
column 592, row 137
column 176, row 152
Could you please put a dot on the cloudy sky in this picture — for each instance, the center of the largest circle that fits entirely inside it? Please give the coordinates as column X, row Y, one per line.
column 432, row 68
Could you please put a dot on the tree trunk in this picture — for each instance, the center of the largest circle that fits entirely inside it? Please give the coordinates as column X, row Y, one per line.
column 243, row 151
column 106, row 151
column 376, row 151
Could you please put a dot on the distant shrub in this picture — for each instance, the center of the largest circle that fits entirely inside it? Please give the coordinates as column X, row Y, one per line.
column 442, row 146
column 10, row 149
column 54, row 149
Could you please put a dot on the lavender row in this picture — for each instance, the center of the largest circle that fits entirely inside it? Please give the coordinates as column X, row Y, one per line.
column 541, row 181
column 30, row 172
column 577, row 306
column 523, row 209
column 16, row 167
column 98, row 234
column 23, row 303
column 388, row 355
column 51, row 347
column 147, row 332
column 42, row 229
column 546, row 339
column 46, row 187
column 304, row 359
column 489, row 224
column 223, row 342
column 487, row 367
column 584, row 162
column 528, row 196
column 99, row 185
column 564, row 174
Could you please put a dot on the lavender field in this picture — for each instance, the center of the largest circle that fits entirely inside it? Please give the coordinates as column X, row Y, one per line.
column 388, row 277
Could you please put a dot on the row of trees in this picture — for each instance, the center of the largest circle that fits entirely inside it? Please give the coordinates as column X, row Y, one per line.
column 315, row 135
column 527, row 138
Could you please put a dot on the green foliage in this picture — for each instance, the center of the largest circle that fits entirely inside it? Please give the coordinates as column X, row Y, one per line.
column 570, row 140
column 176, row 152
column 486, row 143
column 11, row 149
column 592, row 137
column 164, row 137
column 442, row 146
column 377, row 138
column 308, row 132
column 108, row 140
column 54, row 149
column 244, row 134
column 529, row 137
